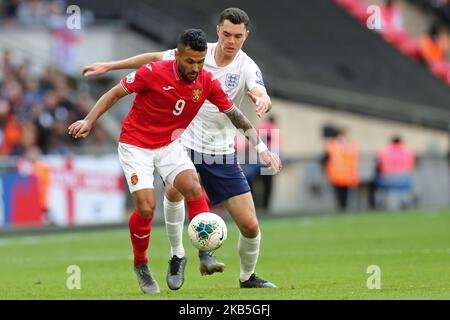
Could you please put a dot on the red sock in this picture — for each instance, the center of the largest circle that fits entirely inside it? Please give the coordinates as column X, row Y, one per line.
column 140, row 228
column 197, row 206
column 206, row 196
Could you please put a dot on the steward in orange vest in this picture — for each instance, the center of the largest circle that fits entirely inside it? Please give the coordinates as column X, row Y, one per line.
column 342, row 167
column 342, row 163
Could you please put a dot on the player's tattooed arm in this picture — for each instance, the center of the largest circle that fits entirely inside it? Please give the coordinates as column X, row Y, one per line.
column 241, row 122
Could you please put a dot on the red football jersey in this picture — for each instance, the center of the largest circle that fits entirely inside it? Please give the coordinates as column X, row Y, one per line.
column 165, row 103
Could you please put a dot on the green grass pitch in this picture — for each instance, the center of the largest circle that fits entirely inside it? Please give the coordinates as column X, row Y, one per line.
column 313, row 257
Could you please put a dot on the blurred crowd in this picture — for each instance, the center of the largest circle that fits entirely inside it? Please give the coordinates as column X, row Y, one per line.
column 25, row 12
column 37, row 13
column 55, row 16
column 36, row 111
column 441, row 7
column 431, row 48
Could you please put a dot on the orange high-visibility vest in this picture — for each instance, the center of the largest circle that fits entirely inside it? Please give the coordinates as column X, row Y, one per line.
column 42, row 172
column 396, row 159
column 342, row 166
column 12, row 135
column 430, row 50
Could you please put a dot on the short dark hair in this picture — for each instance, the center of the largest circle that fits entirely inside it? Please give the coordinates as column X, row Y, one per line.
column 235, row 16
column 192, row 38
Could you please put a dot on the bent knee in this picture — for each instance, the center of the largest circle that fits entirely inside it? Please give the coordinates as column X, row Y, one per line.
column 173, row 195
column 193, row 191
column 250, row 230
column 145, row 208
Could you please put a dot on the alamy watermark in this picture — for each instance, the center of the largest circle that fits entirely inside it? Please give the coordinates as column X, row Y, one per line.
column 373, row 22
column 374, row 280
column 74, row 279
column 214, row 150
column 73, row 22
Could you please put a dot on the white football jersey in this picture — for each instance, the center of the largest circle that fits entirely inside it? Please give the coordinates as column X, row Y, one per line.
column 211, row 131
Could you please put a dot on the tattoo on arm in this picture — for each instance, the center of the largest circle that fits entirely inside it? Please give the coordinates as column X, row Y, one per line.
column 241, row 122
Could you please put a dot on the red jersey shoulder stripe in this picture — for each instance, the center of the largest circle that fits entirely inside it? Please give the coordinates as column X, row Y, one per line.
column 124, row 88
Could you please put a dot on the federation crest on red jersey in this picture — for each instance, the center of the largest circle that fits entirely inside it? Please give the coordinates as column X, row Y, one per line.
column 197, row 94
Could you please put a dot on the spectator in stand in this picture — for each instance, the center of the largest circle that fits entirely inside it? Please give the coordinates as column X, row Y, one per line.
column 391, row 18
column 443, row 6
column 32, row 13
column 395, row 166
column 6, row 63
column 394, row 32
column 341, row 163
column 434, row 47
column 28, row 138
column 32, row 93
column 31, row 165
column 10, row 131
column 9, row 10
column 65, row 40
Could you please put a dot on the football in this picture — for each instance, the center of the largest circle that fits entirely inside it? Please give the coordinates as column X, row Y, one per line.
column 207, row 231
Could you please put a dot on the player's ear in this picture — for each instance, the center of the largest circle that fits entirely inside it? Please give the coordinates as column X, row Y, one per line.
column 217, row 29
column 177, row 54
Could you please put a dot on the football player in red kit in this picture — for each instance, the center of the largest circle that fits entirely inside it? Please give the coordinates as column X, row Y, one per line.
column 168, row 96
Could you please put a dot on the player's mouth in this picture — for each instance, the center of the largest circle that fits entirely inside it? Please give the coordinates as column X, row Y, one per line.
column 229, row 49
column 192, row 75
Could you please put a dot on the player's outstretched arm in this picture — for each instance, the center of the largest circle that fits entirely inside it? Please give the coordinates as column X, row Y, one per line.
column 241, row 122
column 81, row 128
column 134, row 62
column 261, row 99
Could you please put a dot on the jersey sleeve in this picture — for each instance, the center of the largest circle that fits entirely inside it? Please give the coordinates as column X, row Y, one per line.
column 218, row 97
column 169, row 54
column 138, row 81
column 253, row 75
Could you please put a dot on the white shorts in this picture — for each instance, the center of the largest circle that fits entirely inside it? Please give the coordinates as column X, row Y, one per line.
column 138, row 164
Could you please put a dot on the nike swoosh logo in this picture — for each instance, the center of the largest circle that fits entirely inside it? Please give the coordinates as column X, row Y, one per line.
column 168, row 88
column 141, row 237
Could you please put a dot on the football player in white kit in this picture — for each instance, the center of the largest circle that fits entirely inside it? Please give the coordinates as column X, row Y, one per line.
column 210, row 137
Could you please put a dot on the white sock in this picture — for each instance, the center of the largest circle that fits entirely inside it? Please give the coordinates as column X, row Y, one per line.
column 248, row 251
column 174, row 218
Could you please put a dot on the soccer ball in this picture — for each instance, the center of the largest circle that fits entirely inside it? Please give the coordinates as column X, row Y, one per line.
column 207, row 231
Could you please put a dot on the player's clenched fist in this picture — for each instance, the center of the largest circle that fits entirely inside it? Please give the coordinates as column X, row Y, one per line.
column 80, row 129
